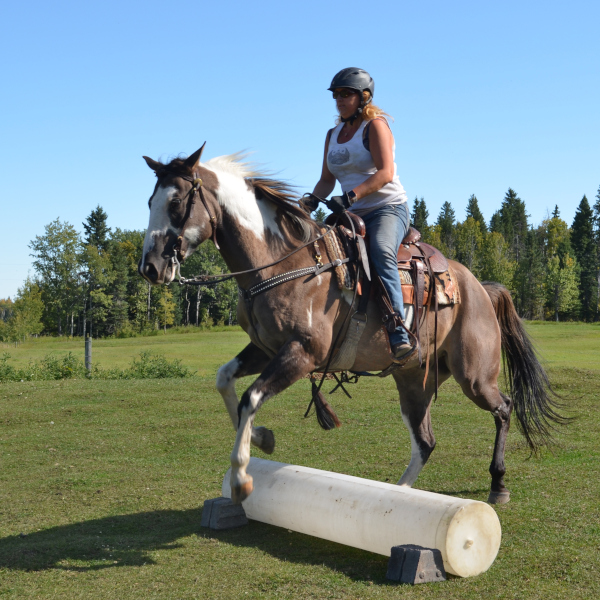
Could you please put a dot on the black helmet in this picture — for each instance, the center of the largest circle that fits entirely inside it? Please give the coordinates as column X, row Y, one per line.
column 355, row 79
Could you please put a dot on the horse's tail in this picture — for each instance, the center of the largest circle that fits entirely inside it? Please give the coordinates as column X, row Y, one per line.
column 535, row 402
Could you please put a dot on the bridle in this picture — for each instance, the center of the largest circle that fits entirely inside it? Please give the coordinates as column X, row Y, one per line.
column 196, row 190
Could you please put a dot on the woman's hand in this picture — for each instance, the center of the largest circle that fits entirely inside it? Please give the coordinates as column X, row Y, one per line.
column 338, row 204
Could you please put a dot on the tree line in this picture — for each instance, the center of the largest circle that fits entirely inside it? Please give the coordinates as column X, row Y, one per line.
column 88, row 284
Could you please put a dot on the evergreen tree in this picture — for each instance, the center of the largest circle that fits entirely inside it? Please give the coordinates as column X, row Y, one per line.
column 511, row 222
column 475, row 213
column 555, row 212
column 446, row 223
column 99, row 277
column 319, row 215
column 529, row 278
column 561, row 287
column 597, row 243
column 96, row 229
column 469, row 245
column 586, row 253
column 138, row 290
column 419, row 215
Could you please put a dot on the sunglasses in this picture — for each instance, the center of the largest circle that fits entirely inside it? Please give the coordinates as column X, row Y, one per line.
column 343, row 94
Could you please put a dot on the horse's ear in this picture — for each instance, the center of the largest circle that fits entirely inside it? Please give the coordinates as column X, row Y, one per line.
column 153, row 164
column 193, row 160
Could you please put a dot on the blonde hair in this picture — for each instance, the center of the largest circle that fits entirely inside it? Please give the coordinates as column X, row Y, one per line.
column 370, row 111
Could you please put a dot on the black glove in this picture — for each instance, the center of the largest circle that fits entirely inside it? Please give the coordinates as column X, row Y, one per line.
column 338, row 204
column 309, row 202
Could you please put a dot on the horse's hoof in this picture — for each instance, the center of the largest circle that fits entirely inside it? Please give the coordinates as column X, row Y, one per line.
column 240, row 492
column 499, row 497
column 265, row 440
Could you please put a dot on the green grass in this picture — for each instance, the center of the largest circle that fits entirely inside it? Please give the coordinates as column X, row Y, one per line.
column 102, row 483
column 197, row 350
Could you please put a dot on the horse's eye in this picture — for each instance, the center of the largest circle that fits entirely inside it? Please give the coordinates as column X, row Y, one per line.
column 175, row 201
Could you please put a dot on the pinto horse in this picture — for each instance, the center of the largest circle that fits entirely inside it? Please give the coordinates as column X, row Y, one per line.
column 256, row 221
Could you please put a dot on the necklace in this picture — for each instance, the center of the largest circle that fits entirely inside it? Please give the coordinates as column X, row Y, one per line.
column 347, row 132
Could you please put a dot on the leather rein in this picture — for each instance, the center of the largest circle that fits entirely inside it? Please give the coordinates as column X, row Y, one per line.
column 208, row 280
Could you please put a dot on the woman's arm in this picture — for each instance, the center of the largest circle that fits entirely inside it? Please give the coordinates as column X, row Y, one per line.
column 326, row 184
column 381, row 143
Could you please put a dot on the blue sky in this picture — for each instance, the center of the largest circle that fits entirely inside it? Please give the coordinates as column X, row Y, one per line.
column 485, row 96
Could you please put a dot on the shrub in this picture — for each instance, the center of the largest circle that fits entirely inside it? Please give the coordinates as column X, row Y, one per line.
column 7, row 372
column 156, row 366
column 148, row 366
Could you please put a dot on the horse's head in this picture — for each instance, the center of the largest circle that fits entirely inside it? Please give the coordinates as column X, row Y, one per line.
column 177, row 224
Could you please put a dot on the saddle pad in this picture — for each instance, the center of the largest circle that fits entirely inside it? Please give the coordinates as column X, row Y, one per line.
column 445, row 284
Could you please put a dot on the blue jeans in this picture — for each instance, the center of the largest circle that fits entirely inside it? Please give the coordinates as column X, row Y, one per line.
column 386, row 228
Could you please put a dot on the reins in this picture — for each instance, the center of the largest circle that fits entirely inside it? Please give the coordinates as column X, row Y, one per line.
column 208, row 280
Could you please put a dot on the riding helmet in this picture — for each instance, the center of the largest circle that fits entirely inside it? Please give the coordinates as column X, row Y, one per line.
column 354, row 79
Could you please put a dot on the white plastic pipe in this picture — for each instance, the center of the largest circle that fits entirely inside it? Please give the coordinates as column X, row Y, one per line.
column 371, row 515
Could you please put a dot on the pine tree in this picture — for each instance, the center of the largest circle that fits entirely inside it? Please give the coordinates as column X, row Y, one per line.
column 117, row 318
column 475, row 213
column 597, row 243
column 469, row 245
column 555, row 212
column 96, row 230
column 511, row 222
column 419, row 215
column 529, row 279
column 586, row 253
column 319, row 215
column 446, row 222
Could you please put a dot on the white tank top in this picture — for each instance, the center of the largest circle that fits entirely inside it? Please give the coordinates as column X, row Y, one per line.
column 352, row 164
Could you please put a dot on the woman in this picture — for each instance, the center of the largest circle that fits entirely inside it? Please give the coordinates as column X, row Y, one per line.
column 359, row 153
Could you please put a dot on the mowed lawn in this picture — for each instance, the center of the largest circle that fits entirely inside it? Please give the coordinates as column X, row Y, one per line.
column 102, row 482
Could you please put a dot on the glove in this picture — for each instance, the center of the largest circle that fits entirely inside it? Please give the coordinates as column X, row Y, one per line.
column 338, row 204
column 309, row 202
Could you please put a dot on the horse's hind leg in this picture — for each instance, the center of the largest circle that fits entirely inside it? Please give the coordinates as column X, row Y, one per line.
column 250, row 361
column 499, row 494
column 488, row 397
column 290, row 364
column 414, row 405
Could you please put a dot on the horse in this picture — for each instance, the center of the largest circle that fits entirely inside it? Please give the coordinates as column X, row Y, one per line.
column 261, row 231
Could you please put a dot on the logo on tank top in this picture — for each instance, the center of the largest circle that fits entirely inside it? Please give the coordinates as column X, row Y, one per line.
column 339, row 157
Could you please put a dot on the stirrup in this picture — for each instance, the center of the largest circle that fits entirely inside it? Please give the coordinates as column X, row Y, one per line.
column 404, row 358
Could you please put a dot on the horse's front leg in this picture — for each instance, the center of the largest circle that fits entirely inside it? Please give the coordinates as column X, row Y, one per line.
column 250, row 361
column 291, row 363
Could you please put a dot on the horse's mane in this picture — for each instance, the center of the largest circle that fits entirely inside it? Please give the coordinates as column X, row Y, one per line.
column 279, row 193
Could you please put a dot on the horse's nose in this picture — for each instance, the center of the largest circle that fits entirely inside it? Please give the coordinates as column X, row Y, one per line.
column 148, row 271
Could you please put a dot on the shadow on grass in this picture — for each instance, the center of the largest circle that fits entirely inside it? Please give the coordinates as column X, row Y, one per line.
column 101, row 543
column 127, row 540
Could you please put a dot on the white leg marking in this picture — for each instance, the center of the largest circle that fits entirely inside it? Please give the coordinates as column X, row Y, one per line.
column 240, row 455
column 226, row 386
column 416, row 462
column 309, row 315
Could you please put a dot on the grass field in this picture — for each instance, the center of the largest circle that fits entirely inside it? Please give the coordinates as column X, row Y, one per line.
column 102, row 482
